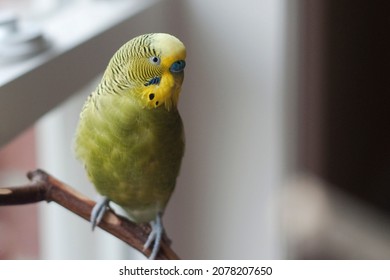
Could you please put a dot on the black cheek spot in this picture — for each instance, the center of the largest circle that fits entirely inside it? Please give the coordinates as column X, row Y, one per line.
column 151, row 96
column 156, row 103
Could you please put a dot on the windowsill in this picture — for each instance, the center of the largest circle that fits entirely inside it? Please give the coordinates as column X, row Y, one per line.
column 72, row 26
column 82, row 39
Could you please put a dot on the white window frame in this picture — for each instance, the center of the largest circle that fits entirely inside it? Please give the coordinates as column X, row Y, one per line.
column 25, row 93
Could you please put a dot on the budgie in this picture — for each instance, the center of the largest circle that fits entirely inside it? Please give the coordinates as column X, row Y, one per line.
column 130, row 135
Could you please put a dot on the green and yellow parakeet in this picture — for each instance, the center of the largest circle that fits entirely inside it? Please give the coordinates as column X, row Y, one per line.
column 130, row 135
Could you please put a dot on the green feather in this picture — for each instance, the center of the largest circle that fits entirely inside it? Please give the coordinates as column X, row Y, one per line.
column 132, row 153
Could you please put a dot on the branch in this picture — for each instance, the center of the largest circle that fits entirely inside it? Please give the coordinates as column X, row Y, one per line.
column 44, row 187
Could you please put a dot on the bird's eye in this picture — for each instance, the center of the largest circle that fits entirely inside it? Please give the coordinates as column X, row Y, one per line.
column 155, row 60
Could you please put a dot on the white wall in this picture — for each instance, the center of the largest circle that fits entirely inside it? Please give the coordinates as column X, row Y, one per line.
column 232, row 105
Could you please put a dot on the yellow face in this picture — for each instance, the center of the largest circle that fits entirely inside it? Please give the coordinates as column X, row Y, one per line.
column 164, row 72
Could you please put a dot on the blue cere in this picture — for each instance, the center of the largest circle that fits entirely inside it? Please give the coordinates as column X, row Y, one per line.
column 177, row 66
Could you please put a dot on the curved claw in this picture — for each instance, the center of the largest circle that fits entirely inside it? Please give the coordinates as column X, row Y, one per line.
column 156, row 236
column 98, row 211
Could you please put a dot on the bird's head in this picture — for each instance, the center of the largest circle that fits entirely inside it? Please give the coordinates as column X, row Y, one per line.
column 151, row 68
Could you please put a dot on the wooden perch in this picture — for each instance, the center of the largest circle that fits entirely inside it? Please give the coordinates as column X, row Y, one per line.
column 44, row 187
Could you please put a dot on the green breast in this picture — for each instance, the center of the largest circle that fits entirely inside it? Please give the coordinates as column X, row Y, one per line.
column 132, row 154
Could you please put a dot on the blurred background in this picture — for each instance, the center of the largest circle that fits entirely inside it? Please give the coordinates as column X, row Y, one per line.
column 286, row 112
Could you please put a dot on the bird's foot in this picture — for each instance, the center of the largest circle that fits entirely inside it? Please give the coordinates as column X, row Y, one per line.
column 156, row 236
column 98, row 211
